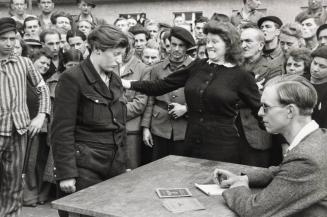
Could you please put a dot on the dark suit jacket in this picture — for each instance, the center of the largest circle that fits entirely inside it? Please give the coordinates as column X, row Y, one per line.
column 85, row 111
column 297, row 188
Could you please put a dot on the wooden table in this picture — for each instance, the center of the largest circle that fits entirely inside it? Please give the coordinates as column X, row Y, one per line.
column 133, row 194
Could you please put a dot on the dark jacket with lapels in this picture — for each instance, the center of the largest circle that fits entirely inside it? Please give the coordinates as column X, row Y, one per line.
column 86, row 111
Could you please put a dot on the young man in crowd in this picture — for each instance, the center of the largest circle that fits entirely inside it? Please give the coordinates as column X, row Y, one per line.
column 141, row 36
column 32, row 28
column 198, row 28
column 122, row 24
column 322, row 35
column 309, row 30
column 76, row 39
column 14, row 120
column 248, row 14
column 19, row 7
column 85, row 7
column 290, row 37
column 46, row 7
column 297, row 187
column 318, row 78
column 315, row 9
column 62, row 20
column 164, row 119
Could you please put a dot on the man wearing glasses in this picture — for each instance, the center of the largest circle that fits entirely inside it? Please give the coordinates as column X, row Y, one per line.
column 297, row 187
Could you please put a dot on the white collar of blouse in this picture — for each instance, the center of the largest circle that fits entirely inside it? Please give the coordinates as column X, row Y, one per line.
column 226, row 64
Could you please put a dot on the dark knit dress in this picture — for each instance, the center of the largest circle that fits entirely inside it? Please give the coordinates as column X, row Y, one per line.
column 212, row 94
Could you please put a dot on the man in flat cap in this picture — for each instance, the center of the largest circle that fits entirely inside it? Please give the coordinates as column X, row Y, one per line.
column 164, row 122
column 86, row 6
column 315, row 9
column 270, row 26
column 15, row 123
column 318, row 78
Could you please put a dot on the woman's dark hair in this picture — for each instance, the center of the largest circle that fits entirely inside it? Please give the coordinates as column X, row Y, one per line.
column 45, row 51
column 220, row 17
column 230, row 36
column 301, row 54
column 72, row 55
column 104, row 37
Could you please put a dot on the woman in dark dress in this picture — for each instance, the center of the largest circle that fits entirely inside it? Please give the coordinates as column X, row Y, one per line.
column 213, row 88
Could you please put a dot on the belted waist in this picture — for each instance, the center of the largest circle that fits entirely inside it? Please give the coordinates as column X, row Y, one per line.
column 209, row 117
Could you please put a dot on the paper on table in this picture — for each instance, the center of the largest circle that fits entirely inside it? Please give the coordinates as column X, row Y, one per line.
column 210, row 189
column 179, row 205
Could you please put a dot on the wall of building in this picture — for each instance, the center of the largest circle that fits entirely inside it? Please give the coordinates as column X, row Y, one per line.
column 163, row 10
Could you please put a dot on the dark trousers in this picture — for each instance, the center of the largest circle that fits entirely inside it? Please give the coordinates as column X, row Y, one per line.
column 95, row 163
column 163, row 147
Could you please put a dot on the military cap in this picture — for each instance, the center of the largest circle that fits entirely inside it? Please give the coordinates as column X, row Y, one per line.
column 270, row 18
column 7, row 24
column 184, row 35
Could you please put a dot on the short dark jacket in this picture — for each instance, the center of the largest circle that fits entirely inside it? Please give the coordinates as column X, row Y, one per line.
column 85, row 110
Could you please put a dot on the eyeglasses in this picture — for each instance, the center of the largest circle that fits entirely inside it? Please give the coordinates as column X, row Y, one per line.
column 266, row 108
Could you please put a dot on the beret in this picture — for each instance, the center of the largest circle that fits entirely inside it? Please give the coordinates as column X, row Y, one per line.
column 322, row 27
column 7, row 24
column 270, row 18
column 184, row 35
column 139, row 29
column 320, row 52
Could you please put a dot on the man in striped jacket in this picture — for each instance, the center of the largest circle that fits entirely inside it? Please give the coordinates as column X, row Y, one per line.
column 14, row 117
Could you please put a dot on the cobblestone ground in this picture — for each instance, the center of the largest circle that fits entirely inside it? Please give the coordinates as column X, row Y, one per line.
column 39, row 211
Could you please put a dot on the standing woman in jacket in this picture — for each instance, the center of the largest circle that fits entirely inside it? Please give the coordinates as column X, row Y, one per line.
column 213, row 88
column 88, row 130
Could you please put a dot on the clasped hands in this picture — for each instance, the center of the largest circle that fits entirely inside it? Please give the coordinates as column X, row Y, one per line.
column 227, row 179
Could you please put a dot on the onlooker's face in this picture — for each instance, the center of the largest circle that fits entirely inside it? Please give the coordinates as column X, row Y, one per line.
column 64, row 23
column 323, row 37
column 64, row 43
column 198, row 30
column 309, row 28
column 52, row 41
column 85, row 27
column 319, row 68
column 253, row 4
column 177, row 49
column 7, row 43
column 294, row 67
column 131, row 22
column 216, row 47
column 153, row 30
column 269, row 30
column 315, row 4
column 288, row 42
column 202, row 52
column 46, row 6
column 42, row 64
column 77, row 43
column 122, row 25
column 150, row 56
column 140, row 42
column 179, row 20
column 85, row 8
column 18, row 50
column 32, row 28
column 109, row 59
column 250, row 43
column 19, row 6
column 274, row 115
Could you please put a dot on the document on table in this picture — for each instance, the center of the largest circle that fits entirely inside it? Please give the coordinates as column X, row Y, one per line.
column 210, row 189
column 178, row 205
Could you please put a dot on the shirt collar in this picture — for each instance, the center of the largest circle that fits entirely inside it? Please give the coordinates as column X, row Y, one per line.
column 186, row 62
column 306, row 130
column 228, row 65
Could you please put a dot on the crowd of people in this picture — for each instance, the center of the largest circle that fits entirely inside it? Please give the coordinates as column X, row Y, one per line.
column 83, row 100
